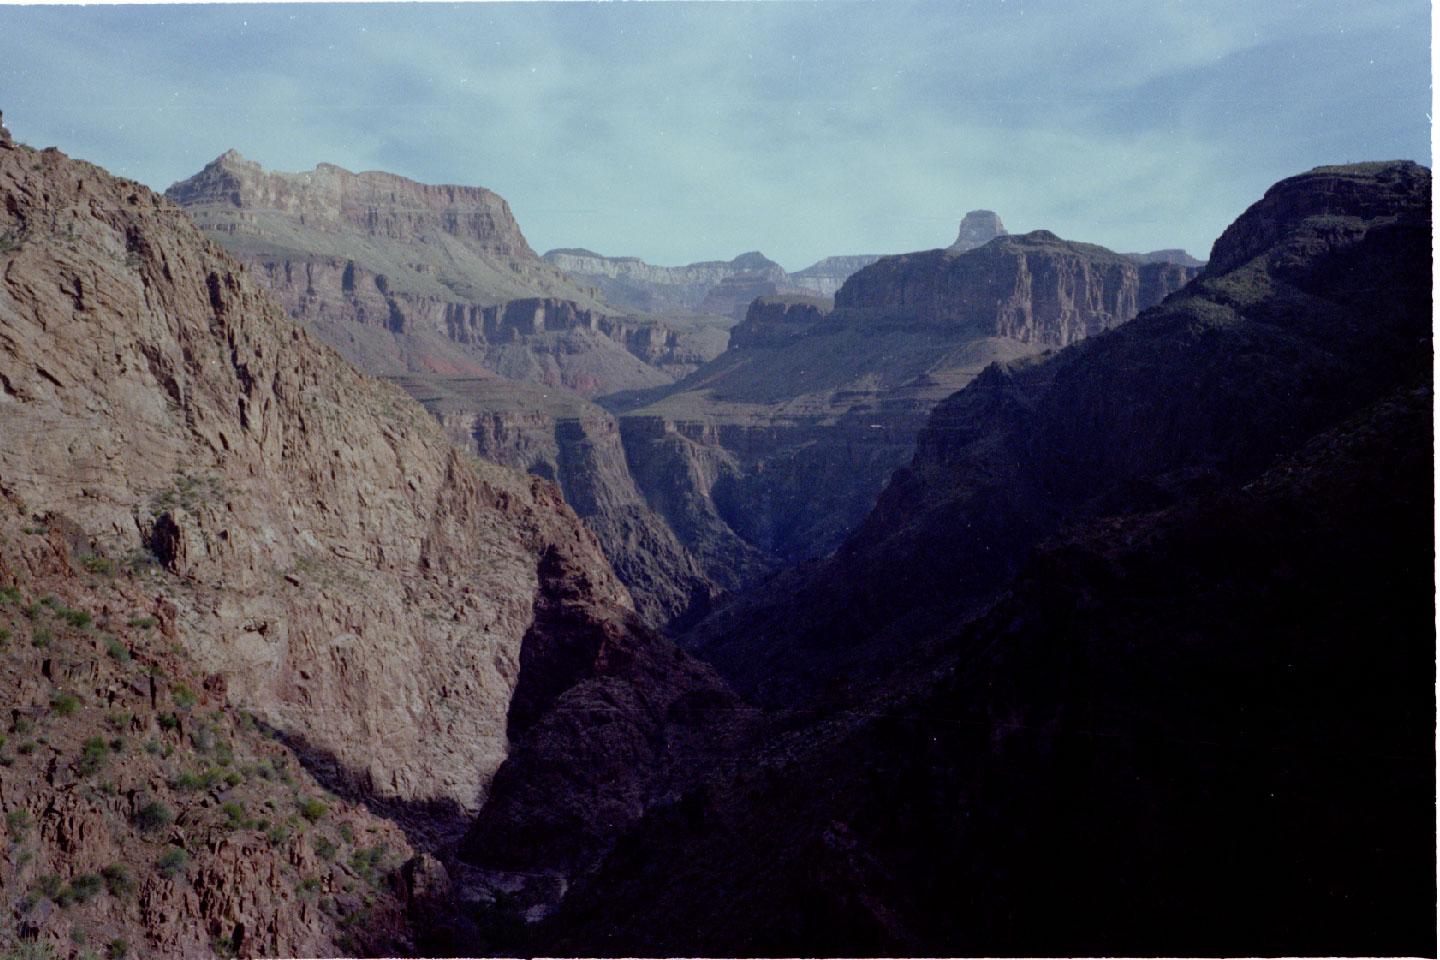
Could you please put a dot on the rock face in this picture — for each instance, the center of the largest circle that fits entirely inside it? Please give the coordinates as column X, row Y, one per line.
column 1141, row 622
column 141, row 809
column 405, row 277
column 772, row 452
column 359, row 583
column 561, row 437
column 1034, row 288
column 977, row 229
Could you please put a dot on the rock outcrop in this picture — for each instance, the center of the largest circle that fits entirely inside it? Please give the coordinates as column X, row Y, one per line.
column 359, row 584
column 405, row 277
column 977, row 229
column 1141, row 622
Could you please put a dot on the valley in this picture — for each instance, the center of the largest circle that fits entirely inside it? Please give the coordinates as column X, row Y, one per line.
column 372, row 585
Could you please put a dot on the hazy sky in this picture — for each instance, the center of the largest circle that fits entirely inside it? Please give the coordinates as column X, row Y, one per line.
column 690, row 131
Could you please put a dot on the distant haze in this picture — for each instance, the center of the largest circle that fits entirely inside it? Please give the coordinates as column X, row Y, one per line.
column 679, row 132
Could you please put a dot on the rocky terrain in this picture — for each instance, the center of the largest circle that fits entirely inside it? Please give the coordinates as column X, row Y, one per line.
column 1205, row 688
column 824, row 277
column 144, row 814
column 405, row 277
column 772, row 452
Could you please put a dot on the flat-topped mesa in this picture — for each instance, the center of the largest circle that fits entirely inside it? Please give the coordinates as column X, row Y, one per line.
column 977, row 229
column 379, row 204
column 772, row 321
column 1033, row 288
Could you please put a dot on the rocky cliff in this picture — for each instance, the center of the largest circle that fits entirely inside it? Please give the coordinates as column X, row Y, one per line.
column 772, row 452
column 559, row 436
column 1135, row 658
column 405, row 277
column 978, row 228
column 358, row 583
column 1034, row 288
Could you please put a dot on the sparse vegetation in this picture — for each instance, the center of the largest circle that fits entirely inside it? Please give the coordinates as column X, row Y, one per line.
column 96, row 752
column 153, row 816
column 64, row 704
column 143, row 623
column 182, row 696
column 17, row 823
column 172, row 862
column 117, row 879
column 117, row 650
column 313, row 810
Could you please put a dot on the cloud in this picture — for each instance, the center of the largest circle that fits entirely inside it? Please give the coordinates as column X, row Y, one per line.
column 681, row 132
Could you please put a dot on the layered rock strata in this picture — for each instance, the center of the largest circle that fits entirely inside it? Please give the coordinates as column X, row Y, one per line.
column 405, row 277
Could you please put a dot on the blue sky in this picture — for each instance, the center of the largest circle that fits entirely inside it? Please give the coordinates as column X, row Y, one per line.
column 690, row 131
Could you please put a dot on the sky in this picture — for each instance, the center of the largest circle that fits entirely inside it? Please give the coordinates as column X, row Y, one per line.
column 686, row 131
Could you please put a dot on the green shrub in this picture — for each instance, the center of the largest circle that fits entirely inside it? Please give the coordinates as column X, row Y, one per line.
column 313, row 810
column 309, row 888
column 9, row 595
column 119, row 720
column 183, row 696
column 224, row 753
column 168, row 721
column 235, row 813
column 21, row 724
column 233, row 779
column 118, row 949
column 83, row 887
column 63, row 704
column 324, row 848
column 346, row 833
column 95, row 753
column 172, row 862
column 202, row 739
column 117, row 879
column 27, row 748
column 17, row 823
column 42, row 637
column 153, row 816
column 144, row 623
column 368, row 862
column 4, row 636
column 277, row 835
column 98, row 564
column 76, row 618
column 117, row 650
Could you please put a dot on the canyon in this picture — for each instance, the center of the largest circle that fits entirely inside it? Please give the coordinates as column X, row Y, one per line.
column 372, row 586
column 762, row 455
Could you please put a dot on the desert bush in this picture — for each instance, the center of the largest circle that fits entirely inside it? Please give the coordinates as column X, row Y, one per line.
column 153, row 816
